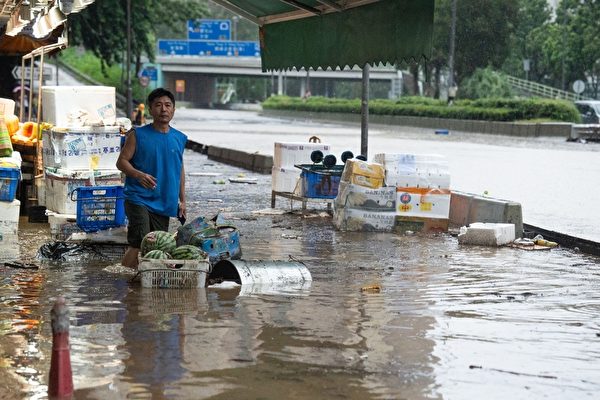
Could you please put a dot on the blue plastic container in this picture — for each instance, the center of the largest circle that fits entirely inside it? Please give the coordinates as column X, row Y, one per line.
column 99, row 207
column 319, row 182
column 9, row 181
column 222, row 245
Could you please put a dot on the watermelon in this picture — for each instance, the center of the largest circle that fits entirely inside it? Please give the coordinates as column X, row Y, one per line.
column 188, row 252
column 157, row 255
column 158, row 240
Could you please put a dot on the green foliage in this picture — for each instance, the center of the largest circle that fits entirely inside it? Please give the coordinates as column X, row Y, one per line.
column 485, row 83
column 484, row 109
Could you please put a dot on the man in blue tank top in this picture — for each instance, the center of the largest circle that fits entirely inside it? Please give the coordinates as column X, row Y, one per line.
column 152, row 160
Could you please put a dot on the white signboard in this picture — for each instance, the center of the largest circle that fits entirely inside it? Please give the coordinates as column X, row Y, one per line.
column 16, row 72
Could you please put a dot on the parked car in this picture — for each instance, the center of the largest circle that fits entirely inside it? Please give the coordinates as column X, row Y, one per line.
column 589, row 110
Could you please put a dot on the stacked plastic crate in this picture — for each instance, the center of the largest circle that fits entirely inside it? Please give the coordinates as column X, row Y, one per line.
column 80, row 150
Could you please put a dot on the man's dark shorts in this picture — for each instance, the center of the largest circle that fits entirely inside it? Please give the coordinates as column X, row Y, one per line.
column 142, row 221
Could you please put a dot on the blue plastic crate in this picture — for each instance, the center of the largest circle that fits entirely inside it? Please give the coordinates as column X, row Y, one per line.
column 9, row 181
column 319, row 182
column 99, row 207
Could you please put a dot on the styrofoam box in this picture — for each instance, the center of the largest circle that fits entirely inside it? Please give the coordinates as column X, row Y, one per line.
column 362, row 198
column 62, row 226
column 9, row 247
column 348, row 219
column 82, row 148
column 487, row 234
column 285, row 179
column 61, row 183
column 288, row 154
column 440, row 180
column 391, row 159
column 7, row 106
column 9, row 217
column 434, row 203
column 93, row 104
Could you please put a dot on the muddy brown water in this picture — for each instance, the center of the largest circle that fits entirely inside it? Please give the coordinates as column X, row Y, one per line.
column 450, row 321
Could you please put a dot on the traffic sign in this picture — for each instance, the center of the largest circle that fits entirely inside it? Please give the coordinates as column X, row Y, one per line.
column 209, row 29
column 578, row 86
column 173, row 47
column 150, row 72
column 16, row 72
column 224, row 48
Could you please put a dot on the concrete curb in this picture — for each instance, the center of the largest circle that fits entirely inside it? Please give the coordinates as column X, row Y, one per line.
column 555, row 129
column 255, row 162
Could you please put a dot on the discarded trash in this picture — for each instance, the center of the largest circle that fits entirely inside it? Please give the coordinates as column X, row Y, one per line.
column 374, row 288
column 270, row 211
column 204, row 174
column 487, row 234
column 281, row 273
column 225, row 285
column 286, row 236
column 20, row 265
column 219, row 182
column 214, row 200
column 540, row 241
column 527, row 244
column 243, row 180
column 442, row 132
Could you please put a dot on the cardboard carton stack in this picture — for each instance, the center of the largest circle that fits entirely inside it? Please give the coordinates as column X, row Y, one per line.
column 285, row 177
column 397, row 192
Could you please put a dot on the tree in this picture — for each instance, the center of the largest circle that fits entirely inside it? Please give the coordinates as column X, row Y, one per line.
column 102, row 26
column 485, row 83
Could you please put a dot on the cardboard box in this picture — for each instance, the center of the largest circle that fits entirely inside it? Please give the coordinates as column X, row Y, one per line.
column 427, row 203
column 60, row 183
column 81, row 148
column 362, row 168
column 288, row 154
column 362, row 198
column 419, row 224
column 348, row 219
column 9, row 217
column 73, row 106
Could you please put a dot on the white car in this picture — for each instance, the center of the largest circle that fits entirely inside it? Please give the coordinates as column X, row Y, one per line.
column 589, row 110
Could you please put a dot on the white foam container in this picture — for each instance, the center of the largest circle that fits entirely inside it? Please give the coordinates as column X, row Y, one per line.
column 487, row 234
column 9, row 217
column 286, row 179
column 426, row 179
column 63, row 103
column 81, row 148
column 7, row 106
column 288, row 154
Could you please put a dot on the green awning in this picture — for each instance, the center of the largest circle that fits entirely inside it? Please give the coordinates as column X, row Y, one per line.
column 330, row 34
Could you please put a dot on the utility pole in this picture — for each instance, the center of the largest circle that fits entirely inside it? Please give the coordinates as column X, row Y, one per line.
column 129, row 107
column 364, row 108
column 452, row 44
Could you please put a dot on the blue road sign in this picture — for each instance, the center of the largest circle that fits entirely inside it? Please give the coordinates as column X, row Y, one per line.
column 173, row 47
column 209, row 29
column 224, row 48
column 150, row 72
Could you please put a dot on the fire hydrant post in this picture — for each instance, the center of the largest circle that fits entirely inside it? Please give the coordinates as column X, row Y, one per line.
column 60, row 383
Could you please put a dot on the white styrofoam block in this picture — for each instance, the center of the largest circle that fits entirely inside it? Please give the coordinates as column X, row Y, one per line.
column 9, row 247
column 286, row 180
column 434, row 203
column 487, row 234
column 9, row 217
column 288, row 154
column 62, row 226
column 7, row 106
column 72, row 106
column 82, row 148
column 390, row 159
column 61, row 183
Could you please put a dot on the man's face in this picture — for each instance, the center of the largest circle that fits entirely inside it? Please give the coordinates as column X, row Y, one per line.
column 162, row 109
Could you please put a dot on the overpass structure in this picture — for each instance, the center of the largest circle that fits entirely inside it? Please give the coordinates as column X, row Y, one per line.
column 201, row 73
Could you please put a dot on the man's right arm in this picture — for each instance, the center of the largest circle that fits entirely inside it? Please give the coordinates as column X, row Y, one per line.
column 124, row 163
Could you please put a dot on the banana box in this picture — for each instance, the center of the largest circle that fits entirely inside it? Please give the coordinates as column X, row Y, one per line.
column 423, row 202
column 348, row 219
column 362, row 168
column 420, row 224
column 364, row 198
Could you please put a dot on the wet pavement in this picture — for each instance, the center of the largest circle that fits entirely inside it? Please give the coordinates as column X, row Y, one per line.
column 449, row 322
column 555, row 181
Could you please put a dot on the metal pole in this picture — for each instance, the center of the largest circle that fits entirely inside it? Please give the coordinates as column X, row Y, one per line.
column 128, row 62
column 364, row 120
column 452, row 45
column 22, row 99
column 31, row 64
column 564, row 50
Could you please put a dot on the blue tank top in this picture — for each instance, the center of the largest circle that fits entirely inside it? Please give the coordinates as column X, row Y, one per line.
column 160, row 155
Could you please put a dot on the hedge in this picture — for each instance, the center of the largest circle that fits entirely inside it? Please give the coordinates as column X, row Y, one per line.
column 484, row 109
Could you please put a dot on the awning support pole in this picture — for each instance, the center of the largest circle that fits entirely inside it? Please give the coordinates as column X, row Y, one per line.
column 364, row 111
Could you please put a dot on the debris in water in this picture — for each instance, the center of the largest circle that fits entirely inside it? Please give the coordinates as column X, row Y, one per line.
column 21, row 265
column 270, row 211
column 374, row 288
column 243, row 180
column 219, row 181
column 211, row 174
column 286, row 236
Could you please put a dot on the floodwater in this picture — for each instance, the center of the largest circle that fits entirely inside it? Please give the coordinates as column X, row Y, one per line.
column 449, row 322
column 556, row 182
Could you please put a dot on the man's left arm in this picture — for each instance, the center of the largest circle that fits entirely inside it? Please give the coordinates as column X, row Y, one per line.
column 182, row 211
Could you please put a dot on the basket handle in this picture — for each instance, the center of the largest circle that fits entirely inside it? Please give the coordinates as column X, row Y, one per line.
column 314, row 139
column 71, row 194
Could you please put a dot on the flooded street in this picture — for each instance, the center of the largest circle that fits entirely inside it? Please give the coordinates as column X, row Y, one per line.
column 450, row 321
column 555, row 181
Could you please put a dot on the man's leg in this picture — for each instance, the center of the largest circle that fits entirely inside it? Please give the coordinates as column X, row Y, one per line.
column 139, row 226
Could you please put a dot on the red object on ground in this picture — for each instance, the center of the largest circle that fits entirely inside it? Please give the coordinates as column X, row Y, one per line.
column 60, row 382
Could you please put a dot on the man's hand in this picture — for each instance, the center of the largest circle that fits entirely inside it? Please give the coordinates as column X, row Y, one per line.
column 182, row 213
column 147, row 181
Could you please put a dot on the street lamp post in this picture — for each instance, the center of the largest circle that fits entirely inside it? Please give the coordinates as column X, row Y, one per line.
column 452, row 44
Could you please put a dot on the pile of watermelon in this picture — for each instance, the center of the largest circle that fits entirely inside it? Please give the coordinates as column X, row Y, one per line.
column 161, row 245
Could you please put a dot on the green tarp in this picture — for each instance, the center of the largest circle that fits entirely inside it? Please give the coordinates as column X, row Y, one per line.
column 386, row 31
